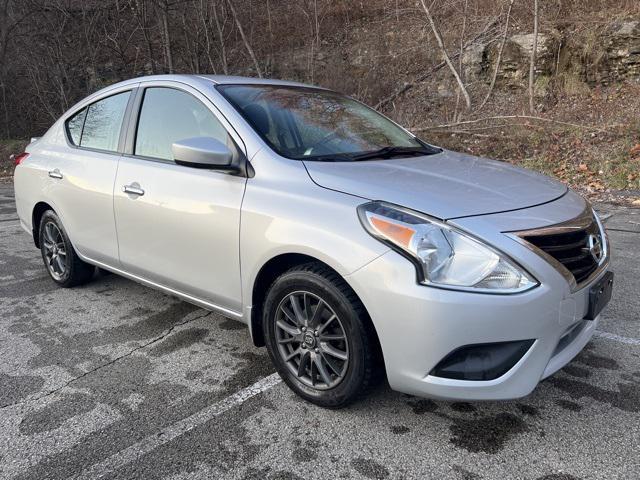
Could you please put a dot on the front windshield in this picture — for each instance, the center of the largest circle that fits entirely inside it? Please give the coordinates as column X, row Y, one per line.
column 313, row 124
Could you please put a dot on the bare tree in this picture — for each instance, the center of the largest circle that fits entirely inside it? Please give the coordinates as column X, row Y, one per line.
column 461, row 57
column 140, row 9
column 203, row 12
column 223, row 50
column 314, row 17
column 445, row 55
column 11, row 16
column 163, row 7
column 499, row 59
column 247, row 45
column 532, row 64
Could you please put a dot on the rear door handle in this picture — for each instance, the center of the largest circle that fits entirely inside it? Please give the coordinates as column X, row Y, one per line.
column 133, row 189
column 55, row 174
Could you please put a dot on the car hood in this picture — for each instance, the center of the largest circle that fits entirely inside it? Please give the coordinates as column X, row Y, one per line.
column 445, row 185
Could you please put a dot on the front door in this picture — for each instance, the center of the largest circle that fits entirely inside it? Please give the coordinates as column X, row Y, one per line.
column 179, row 226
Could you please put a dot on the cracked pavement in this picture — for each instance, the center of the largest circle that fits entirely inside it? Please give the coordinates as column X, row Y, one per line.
column 115, row 380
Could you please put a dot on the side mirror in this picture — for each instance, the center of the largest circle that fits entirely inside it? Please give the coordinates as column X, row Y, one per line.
column 203, row 152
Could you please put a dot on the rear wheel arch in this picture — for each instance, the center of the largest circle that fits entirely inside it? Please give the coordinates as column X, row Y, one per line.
column 36, row 216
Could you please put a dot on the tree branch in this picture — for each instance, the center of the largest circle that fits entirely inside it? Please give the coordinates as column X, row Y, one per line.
column 499, row 60
column 244, row 38
column 507, row 117
column 445, row 55
column 409, row 85
column 532, row 64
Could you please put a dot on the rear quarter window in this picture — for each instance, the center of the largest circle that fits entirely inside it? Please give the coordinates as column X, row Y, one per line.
column 103, row 122
column 74, row 126
column 98, row 125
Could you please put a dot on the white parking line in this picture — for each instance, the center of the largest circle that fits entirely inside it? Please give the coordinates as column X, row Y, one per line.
column 617, row 338
column 177, row 429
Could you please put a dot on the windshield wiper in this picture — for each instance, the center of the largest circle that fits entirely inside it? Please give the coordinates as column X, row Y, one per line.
column 389, row 152
column 333, row 157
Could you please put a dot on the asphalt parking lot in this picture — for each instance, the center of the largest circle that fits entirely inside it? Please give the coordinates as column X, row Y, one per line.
column 115, row 380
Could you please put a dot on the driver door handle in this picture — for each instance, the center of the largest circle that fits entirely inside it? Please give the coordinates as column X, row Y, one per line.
column 55, row 174
column 133, row 189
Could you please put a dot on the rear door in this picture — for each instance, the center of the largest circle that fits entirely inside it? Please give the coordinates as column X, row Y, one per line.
column 179, row 226
column 81, row 174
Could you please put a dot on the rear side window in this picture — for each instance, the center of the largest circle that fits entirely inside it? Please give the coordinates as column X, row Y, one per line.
column 169, row 115
column 102, row 123
column 74, row 126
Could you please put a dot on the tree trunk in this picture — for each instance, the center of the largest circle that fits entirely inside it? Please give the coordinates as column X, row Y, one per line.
column 247, row 45
column 223, row 50
column 164, row 14
column 532, row 65
column 445, row 55
column 499, row 60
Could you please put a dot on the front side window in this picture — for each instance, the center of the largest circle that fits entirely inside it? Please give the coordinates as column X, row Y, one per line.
column 103, row 122
column 169, row 115
column 309, row 123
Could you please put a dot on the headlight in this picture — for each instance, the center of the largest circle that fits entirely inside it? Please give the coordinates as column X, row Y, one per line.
column 444, row 256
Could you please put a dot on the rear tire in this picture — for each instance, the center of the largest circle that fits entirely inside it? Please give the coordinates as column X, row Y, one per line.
column 319, row 336
column 60, row 259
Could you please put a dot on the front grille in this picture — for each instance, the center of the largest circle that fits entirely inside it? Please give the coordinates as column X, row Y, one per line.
column 571, row 248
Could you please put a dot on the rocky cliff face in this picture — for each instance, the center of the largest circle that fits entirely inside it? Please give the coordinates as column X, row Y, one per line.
column 612, row 54
column 622, row 52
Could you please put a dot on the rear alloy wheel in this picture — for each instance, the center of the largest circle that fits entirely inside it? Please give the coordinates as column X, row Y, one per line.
column 54, row 251
column 60, row 259
column 319, row 336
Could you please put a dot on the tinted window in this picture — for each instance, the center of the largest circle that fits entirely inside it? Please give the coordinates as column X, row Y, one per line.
column 169, row 115
column 102, row 125
column 304, row 123
column 74, row 126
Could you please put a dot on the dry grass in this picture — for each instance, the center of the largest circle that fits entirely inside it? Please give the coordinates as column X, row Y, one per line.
column 592, row 162
column 8, row 148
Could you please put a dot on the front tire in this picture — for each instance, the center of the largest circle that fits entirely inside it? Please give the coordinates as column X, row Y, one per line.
column 60, row 259
column 319, row 337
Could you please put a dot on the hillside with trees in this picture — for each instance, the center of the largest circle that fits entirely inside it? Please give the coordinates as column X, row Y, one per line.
column 552, row 85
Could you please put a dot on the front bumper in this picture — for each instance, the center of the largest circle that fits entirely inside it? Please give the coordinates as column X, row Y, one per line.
column 418, row 326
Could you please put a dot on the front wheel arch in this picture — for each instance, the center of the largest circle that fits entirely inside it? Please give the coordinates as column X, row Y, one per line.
column 269, row 272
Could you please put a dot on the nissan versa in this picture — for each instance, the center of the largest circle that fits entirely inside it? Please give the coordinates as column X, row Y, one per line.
column 350, row 247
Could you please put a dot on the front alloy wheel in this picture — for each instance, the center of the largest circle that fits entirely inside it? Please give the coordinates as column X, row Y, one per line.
column 320, row 337
column 311, row 340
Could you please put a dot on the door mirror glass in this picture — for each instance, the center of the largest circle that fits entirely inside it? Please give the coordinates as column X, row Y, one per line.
column 202, row 152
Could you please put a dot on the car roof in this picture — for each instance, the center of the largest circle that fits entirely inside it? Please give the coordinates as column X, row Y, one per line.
column 232, row 79
column 216, row 79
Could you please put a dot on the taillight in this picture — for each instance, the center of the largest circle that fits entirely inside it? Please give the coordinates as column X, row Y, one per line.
column 19, row 158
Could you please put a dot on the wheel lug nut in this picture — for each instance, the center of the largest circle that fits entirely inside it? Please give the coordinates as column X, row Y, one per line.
column 316, row 333
column 317, row 350
column 304, row 329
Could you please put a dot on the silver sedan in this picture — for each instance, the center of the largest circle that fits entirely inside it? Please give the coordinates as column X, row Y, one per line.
column 351, row 248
